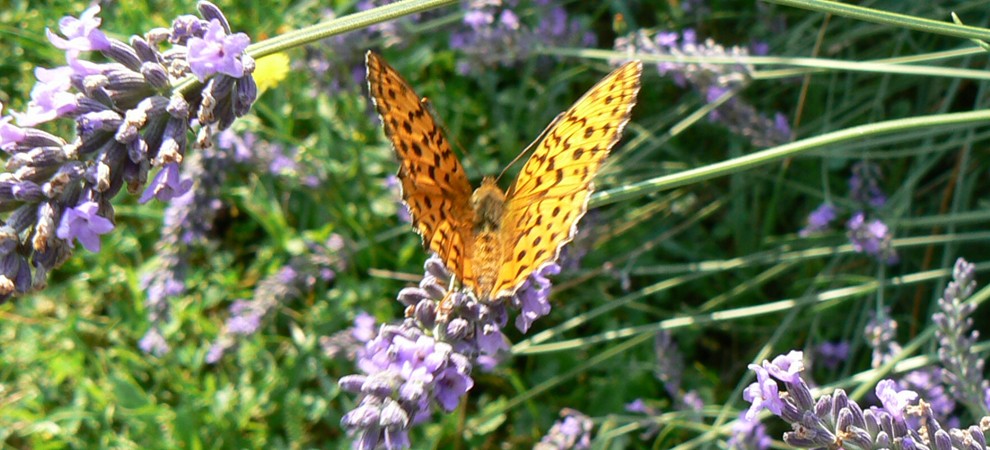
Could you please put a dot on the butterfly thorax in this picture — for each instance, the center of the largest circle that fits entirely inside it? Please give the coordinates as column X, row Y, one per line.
column 488, row 203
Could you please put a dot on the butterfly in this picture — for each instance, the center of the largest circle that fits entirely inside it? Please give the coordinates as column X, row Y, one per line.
column 492, row 240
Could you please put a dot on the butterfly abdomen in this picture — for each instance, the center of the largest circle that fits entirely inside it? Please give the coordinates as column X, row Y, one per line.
column 488, row 203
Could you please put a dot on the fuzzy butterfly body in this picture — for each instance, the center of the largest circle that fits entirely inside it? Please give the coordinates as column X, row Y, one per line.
column 489, row 239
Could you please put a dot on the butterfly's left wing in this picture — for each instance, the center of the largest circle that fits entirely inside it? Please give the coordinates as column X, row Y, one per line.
column 551, row 192
column 434, row 185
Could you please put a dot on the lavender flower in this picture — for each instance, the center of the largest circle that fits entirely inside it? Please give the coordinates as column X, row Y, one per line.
column 217, row 52
column 85, row 224
column 711, row 81
column 832, row 354
column 864, row 185
column 129, row 119
column 749, row 435
column 962, row 370
column 492, row 34
column 927, row 383
column 425, row 362
column 294, row 279
column 670, row 363
column 819, row 219
column 651, row 428
column 763, row 394
column 188, row 222
column 881, row 335
column 406, row 374
column 871, row 237
column 571, row 432
column 835, row 421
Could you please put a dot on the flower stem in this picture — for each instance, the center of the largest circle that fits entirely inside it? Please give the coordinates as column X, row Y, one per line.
column 344, row 24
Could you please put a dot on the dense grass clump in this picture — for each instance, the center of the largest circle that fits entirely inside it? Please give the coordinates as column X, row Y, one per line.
column 204, row 244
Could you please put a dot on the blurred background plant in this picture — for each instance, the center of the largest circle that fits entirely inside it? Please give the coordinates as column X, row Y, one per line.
column 276, row 275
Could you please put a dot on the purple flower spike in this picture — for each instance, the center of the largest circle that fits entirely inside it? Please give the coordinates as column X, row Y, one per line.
column 85, row 225
column 128, row 121
column 82, row 34
column 710, row 81
column 572, row 431
column 424, row 363
column 217, row 52
column 832, row 354
column 835, row 421
column 871, row 237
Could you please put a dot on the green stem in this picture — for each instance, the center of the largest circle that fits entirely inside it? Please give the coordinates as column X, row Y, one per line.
column 344, row 24
column 747, row 162
column 889, row 18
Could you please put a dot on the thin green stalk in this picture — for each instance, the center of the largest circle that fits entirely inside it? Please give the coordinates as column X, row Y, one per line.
column 778, row 153
column 888, row 18
column 344, row 24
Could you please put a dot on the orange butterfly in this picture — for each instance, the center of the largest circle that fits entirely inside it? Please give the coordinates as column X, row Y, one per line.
column 492, row 240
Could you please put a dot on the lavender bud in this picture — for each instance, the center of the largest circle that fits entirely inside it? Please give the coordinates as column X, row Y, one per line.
column 66, row 175
column 209, row 11
column 801, row 394
column 34, row 137
column 247, row 93
column 352, row 383
column 425, row 313
column 173, row 143
column 156, row 36
column 136, row 175
column 45, row 229
column 436, row 268
column 137, row 151
column 87, row 105
column 123, row 54
column 178, row 107
column 434, row 290
column 365, row 415
column 90, row 124
column 155, row 75
column 411, row 295
column 21, row 219
column 8, row 239
column 380, row 384
column 858, row 438
column 17, row 272
column 457, row 328
column 26, row 191
column 977, row 437
column 39, row 157
column 942, row 441
column 393, row 415
column 145, row 52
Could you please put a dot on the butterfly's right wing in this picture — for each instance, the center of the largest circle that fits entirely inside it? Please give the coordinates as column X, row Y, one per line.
column 551, row 193
column 434, row 185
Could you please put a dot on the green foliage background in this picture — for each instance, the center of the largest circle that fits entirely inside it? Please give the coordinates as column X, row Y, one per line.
column 709, row 258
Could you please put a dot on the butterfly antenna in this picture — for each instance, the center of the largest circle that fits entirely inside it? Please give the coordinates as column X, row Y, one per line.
column 531, row 144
